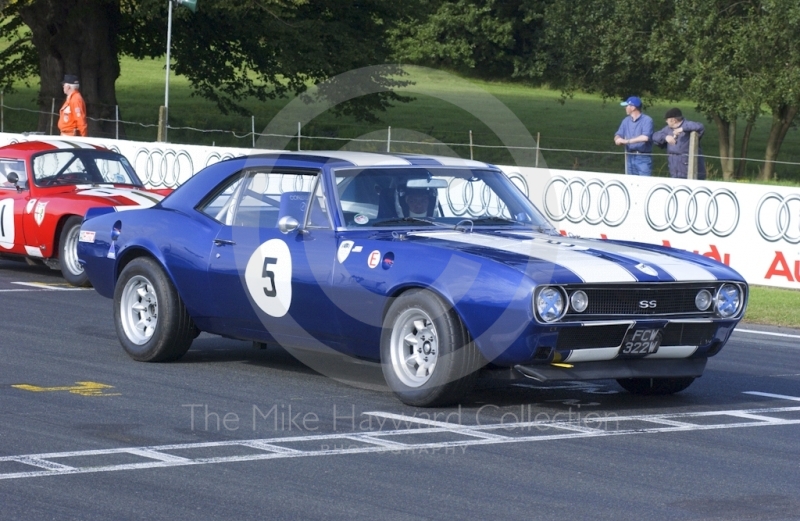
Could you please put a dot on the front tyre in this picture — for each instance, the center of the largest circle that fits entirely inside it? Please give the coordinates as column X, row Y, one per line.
column 68, row 253
column 151, row 320
column 427, row 356
column 655, row 386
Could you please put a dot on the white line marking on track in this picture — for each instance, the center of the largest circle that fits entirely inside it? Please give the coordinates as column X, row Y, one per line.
column 474, row 435
column 770, row 395
column 769, row 333
column 41, row 286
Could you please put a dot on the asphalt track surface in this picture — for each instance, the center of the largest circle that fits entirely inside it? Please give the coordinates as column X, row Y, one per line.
column 232, row 432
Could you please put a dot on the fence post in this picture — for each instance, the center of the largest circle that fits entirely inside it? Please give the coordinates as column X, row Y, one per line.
column 52, row 113
column 162, row 123
column 2, row 112
column 536, row 161
column 298, row 136
column 470, row 145
column 626, row 162
column 253, row 129
column 389, row 140
column 693, row 142
column 116, row 121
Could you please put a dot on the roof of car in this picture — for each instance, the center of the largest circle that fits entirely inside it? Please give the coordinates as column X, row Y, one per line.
column 370, row 159
column 26, row 148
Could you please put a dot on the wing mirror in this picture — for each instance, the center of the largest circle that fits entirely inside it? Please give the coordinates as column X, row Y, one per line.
column 13, row 178
column 287, row 224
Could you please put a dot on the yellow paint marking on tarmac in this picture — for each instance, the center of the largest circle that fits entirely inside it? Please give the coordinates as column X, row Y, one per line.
column 81, row 388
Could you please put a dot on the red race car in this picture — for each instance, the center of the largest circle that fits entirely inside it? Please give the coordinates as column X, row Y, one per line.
column 46, row 188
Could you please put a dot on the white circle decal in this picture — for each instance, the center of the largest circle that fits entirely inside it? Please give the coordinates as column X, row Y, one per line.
column 361, row 219
column 269, row 277
column 7, row 223
column 374, row 259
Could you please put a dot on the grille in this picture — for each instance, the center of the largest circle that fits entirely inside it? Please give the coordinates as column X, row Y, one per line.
column 673, row 299
column 589, row 337
column 688, row 334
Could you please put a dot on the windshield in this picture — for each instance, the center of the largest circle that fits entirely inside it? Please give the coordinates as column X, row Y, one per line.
column 431, row 196
column 83, row 166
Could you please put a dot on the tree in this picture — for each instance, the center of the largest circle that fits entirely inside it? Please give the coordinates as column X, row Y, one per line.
column 58, row 37
column 229, row 49
column 732, row 57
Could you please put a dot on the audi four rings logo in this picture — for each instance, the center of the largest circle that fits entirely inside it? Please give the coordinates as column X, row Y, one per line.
column 680, row 209
column 594, row 201
column 162, row 167
column 777, row 217
column 464, row 199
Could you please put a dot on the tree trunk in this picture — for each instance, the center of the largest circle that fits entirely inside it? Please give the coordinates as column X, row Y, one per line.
column 77, row 37
column 741, row 169
column 727, row 144
column 782, row 118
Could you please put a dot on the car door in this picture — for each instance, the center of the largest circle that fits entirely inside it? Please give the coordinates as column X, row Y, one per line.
column 13, row 208
column 269, row 283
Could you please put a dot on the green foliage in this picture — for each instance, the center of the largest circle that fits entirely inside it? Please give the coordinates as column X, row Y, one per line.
column 230, row 50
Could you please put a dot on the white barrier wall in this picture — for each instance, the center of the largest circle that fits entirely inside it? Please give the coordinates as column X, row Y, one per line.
column 753, row 228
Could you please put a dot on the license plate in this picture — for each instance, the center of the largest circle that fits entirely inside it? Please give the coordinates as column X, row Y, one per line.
column 640, row 342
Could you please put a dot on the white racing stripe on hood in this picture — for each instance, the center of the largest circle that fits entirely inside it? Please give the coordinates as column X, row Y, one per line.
column 584, row 265
column 678, row 269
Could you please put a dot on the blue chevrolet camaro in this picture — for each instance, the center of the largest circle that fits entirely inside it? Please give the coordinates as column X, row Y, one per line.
column 435, row 267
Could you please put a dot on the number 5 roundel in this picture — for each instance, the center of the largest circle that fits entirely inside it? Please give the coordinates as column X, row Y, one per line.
column 269, row 277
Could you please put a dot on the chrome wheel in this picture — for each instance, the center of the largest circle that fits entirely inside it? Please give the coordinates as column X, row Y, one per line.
column 414, row 347
column 68, row 243
column 69, row 253
column 138, row 310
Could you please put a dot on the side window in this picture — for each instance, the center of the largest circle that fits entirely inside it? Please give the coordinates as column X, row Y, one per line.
column 7, row 166
column 220, row 205
column 260, row 198
column 319, row 216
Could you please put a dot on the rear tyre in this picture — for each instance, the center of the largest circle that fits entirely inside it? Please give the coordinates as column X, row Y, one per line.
column 655, row 386
column 151, row 320
column 427, row 356
column 68, row 252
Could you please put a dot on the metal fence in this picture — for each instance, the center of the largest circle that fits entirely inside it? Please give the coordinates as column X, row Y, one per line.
column 586, row 159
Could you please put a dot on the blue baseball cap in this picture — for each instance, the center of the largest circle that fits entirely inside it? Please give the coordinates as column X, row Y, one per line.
column 633, row 100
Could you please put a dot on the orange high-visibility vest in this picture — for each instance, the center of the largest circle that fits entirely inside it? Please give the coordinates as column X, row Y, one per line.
column 72, row 116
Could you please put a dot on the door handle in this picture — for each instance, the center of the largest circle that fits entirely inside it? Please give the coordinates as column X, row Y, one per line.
column 224, row 242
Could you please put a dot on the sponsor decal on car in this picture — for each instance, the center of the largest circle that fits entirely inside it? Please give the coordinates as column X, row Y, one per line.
column 39, row 212
column 86, row 236
column 344, row 251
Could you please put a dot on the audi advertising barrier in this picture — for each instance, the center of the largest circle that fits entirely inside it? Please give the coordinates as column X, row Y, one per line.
column 755, row 229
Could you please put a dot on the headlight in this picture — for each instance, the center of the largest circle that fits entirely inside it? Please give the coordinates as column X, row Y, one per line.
column 728, row 300
column 549, row 303
column 703, row 299
column 580, row 301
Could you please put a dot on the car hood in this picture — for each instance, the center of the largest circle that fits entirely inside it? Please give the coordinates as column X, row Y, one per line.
column 117, row 197
column 575, row 260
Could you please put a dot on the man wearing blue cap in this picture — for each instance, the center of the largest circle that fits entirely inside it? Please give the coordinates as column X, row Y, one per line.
column 636, row 133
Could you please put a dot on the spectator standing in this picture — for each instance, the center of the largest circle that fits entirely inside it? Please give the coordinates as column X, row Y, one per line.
column 675, row 137
column 72, row 116
column 636, row 132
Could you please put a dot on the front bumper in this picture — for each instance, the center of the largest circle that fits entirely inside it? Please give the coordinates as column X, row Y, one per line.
column 633, row 368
